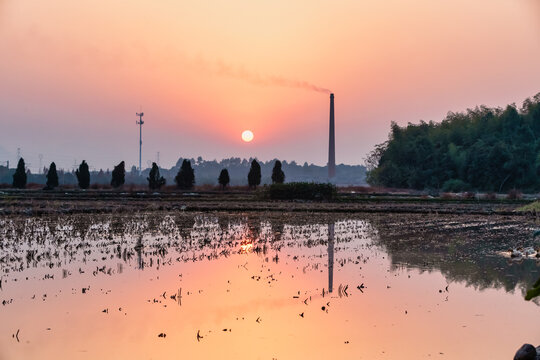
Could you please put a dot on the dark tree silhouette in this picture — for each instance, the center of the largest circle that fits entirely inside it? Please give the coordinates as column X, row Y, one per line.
column 224, row 178
column 52, row 177
column 118, row 175
column 185, row 179
column 254, row 175
column 485, row 149
column 154, row 180
column 83, row 175
column 19, row 178
column 278, row 176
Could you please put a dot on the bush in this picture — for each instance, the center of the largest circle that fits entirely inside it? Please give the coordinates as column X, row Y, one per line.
column 469, row 195
column 514, row 195
column 491, row 196
column 455, row 185
column 302, row 190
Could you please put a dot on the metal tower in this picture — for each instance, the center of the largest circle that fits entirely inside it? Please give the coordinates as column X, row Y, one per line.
column 140, row 122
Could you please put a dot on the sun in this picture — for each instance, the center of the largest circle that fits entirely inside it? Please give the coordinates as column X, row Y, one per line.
column 247, row 135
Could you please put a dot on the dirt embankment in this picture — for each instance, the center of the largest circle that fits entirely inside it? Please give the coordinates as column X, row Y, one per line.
column 73, row 202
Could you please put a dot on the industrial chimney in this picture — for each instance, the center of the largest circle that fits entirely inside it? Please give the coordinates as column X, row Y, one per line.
column 331, row 142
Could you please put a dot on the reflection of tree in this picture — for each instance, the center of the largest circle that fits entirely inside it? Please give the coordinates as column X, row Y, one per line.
column 185, row 225
column 223, row 223
column 277, row 229
column 117, row 226
column 534, row 292
column 463, row 250
column 254, row 228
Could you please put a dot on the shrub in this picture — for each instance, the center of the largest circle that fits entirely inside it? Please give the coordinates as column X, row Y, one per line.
column 302, row 190
column 514, row 194
column 448, row 196
column 469, row 195
column 491, row 196
column 455, row 185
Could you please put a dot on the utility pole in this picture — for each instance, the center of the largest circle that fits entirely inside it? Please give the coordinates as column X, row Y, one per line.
column 157, row 158
column 140, row 122
column 40, row 170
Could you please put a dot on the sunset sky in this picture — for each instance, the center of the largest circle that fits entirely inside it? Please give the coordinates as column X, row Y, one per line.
column 74, row 73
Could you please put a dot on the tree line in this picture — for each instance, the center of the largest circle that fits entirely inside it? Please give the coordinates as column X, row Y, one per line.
column 185, row 178
column 487, row 149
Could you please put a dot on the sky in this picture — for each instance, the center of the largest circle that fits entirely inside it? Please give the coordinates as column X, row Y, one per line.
column 74, row 73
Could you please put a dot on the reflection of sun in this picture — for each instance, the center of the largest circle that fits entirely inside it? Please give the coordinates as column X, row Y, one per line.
column 246, row 246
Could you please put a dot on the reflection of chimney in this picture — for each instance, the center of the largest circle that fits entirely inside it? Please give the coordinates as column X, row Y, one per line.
column 330, row 257
column 331, row 142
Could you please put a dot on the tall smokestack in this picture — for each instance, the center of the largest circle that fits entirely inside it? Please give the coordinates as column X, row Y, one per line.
column 331, row 142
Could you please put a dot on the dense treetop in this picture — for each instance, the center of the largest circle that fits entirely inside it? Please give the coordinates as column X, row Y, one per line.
column 490, row 149
column 254, row 175
column 52, row 177
column 83, row 175
column 278, row 176
column 185, row 179
column 155, row 180
column 19, row 177
column 118, row 175
column 224, row 178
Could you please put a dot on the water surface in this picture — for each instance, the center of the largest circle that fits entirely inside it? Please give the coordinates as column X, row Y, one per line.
column 263, row 286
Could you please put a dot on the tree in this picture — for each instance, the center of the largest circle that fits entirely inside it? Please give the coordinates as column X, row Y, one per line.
column 278, row 176
column 154, row 180
column 52, row 177
column 486, row 149
column 185, row 179
column 83, row 175
column 224, row 178
column 19, row 178
column 254, row 175
column 118, row 175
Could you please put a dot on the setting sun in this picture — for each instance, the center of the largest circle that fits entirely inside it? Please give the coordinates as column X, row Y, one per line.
column 247, row 135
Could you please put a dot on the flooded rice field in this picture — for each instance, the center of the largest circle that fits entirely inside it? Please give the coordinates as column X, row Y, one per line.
column 265, row 286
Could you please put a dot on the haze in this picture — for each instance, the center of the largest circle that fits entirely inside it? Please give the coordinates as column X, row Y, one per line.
column 73, row 74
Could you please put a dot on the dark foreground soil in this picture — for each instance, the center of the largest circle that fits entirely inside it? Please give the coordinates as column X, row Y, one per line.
column 77, row 202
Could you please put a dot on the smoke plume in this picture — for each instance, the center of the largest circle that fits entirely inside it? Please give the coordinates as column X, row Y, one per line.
column 254, row 78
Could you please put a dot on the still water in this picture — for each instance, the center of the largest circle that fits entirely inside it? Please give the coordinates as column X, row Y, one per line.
column 222, row 286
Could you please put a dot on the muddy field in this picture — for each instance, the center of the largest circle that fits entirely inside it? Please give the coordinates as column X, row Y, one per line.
column 123, row 281
column 75, row 202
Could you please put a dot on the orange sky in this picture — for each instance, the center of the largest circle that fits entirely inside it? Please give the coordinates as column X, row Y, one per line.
column 73, row 74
